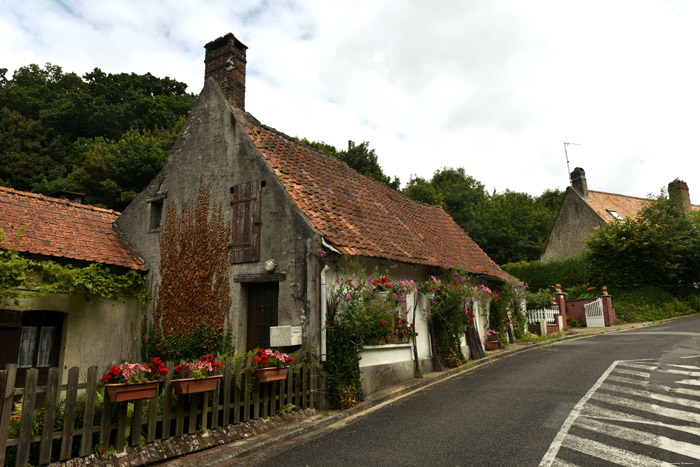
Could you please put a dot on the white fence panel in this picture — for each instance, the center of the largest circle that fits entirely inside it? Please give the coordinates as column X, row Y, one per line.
column 594, row 314
column 547, row 314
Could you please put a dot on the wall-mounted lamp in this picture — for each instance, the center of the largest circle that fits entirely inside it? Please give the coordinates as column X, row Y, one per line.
column 270, row 265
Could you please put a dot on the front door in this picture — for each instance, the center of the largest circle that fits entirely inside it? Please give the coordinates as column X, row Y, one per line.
column 262, row 313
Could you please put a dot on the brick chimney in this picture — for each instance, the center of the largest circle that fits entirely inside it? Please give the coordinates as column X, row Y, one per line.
column 225, row 62
column 578, row 182
column 678, row 193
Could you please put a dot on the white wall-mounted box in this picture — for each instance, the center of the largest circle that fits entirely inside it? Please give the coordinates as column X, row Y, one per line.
column 285, row 336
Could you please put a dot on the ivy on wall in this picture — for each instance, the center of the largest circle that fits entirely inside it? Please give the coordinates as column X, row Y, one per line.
column 194, row 291
column 25, row 277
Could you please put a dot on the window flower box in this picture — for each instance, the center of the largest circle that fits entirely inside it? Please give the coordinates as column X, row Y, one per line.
column 195, row 385
column 124, row 392
column 266, row 375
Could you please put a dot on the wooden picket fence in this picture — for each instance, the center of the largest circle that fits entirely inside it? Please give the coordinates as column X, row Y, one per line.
column 239, row 398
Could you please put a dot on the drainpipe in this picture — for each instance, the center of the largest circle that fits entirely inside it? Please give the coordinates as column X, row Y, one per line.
column 324, row 306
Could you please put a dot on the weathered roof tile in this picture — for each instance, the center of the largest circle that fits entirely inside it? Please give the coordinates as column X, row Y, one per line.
column 360, row 216
column 58, row 228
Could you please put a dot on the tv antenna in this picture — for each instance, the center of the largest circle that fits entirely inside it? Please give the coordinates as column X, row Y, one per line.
column 568, row 169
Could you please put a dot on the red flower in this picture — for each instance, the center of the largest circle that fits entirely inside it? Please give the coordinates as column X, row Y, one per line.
column 257, row 359
column 290, row 359
column 405, row 331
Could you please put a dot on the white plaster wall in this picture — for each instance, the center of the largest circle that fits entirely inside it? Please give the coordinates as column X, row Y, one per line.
column 95, row 332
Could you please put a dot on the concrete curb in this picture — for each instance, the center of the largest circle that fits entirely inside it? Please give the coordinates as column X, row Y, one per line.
column 311, row 426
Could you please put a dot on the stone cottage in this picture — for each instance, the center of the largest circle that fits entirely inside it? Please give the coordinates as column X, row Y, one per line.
column 62, row 329
column 582, row 210
column 247, row 227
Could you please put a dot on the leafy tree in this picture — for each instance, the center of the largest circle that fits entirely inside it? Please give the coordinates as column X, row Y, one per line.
column 464, row 198
column 660, row 247
column 113, row 174
column 516, row 225
column 420, row 189
column 24, row 157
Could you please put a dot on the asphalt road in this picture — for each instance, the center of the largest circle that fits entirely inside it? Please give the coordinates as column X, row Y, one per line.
column 624, row 398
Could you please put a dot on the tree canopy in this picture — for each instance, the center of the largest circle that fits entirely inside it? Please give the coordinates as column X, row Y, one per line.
column 107, row 135
column 659, row 247
column 102, row 134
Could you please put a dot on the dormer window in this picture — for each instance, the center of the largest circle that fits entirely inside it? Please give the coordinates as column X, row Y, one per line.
column 615, row 214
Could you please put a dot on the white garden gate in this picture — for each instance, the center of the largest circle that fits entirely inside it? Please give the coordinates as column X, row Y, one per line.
column 594, row 314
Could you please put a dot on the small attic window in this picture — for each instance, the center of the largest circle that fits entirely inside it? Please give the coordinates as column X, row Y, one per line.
column 156, row 214
column 615, row 214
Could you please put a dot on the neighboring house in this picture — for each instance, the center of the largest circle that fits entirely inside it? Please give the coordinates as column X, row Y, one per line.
column 61, row 329
column 582, row 210
column 246, row 227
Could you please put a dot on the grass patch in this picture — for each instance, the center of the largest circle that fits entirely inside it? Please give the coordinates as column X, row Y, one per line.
column 532, row 338
column 653, row 304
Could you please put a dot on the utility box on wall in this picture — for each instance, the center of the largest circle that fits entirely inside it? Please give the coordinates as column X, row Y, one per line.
column 285, row 336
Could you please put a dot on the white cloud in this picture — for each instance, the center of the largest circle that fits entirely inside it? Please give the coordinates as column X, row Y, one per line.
column 492, row 86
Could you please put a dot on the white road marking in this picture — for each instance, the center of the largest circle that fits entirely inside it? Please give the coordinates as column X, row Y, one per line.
column 610, row 453
column 561, row 463
column 647, row 407
column 651, row 395
column 639, row 436
column 687, row 367
column 633, row 385
column 553, row 450
column 641, row 374
column 607, row 414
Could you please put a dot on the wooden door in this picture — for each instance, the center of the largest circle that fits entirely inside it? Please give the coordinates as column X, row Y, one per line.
column 262, row 313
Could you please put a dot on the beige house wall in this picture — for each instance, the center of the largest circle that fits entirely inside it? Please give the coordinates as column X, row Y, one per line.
column 95, row 332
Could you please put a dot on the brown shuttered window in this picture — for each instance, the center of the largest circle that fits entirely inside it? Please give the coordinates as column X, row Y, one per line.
column 245, row 245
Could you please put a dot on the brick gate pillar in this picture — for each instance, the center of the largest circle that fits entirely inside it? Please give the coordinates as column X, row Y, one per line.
column 560, row 300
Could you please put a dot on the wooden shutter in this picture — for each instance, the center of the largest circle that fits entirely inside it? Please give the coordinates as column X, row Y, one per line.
column 245, row 244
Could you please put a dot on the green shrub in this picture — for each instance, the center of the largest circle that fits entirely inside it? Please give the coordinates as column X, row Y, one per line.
column 540, row 275
column 652, row 304
column 204, row 338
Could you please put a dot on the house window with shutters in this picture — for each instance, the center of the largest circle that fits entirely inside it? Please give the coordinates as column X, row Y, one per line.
column 245, row 242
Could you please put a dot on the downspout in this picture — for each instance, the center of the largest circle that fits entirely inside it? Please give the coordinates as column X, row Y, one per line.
column 324, row 309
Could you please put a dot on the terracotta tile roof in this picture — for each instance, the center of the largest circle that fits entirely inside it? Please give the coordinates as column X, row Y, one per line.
column 360, row 216
column 58, row 228
column 626, row 206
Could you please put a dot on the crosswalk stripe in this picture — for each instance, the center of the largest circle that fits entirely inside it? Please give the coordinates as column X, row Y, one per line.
column 651, row 395
column 673, row 390
column 640, row 366
column 647, row 407
column 610, row 453
column 633, row 373
column 602, row 413
column 682, row 372
column 687, row 367
column 561, row 463
column 691, row 382
column 639, row 436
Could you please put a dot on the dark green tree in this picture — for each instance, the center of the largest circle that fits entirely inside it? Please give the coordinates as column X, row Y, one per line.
column 419, row 189
column 660, row 247
column 72, row 124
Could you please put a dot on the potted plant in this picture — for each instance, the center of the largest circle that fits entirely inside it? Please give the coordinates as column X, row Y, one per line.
column 271, row 365
column 198, row 376
column 429, row 287
column 491, row 340
column 405, row 330
column 382, row 287
column 133, row 381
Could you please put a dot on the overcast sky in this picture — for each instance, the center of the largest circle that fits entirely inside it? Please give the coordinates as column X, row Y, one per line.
column 493, row 86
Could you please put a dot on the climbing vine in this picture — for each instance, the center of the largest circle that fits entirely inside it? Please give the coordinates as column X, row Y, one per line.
column 193, row 297
column 25, row 277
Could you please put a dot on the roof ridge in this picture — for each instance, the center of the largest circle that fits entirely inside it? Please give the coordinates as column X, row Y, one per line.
column 51, row 199
column 621, row 195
